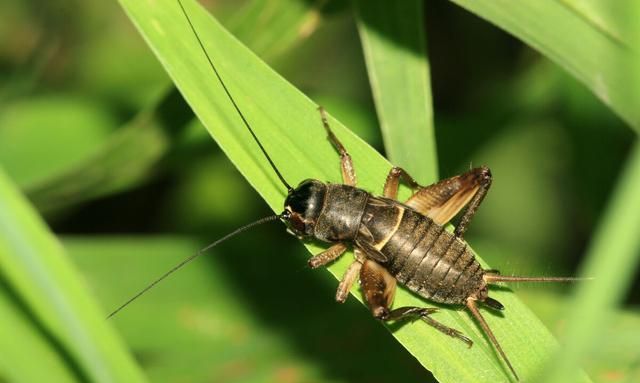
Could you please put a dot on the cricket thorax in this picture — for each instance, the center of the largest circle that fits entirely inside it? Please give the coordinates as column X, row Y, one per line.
column 341, row 213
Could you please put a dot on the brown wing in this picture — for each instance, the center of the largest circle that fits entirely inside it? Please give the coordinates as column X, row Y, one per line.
column 443, row 200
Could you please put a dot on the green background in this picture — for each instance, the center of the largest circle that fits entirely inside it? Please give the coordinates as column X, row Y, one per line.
column 107, row 181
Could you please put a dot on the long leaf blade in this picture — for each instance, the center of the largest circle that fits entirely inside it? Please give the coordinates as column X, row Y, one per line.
column 392, row 35
column 33, row 263
column 612, row 259
column 21, row 343
column 587, row 48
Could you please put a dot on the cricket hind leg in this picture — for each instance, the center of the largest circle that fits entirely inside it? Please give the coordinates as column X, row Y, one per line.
column 445, row 199
column 346, row 163
column 482, row 176
column 379, row 288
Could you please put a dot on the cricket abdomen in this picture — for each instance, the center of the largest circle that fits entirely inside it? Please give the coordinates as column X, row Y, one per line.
column 420, row 254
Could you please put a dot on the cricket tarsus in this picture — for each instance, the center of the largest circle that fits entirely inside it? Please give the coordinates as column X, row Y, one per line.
column 194, row 256
column 224, row 86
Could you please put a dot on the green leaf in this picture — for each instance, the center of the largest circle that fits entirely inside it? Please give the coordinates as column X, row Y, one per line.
column 589, row 43
column 612, row 259
column 30, row 150
column 392, row 35
column 21, row 342
column 36, row 270
column 281, row 25
column 289, row 127
column 133, row 154
column 125, row 159
column 615, row 357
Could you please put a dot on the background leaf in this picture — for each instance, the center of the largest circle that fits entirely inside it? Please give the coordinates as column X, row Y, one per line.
column 22, row 343
column 76, row 76
column 36, row 270
column 142, row 147
column 613, row 258
column 614, row 358
column 592, row 49
column 392, row 35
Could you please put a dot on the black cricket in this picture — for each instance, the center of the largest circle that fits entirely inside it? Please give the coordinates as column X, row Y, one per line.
column 394, row 242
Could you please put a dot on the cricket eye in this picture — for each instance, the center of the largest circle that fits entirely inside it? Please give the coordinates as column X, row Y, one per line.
column 296, row 224
column 306, row 200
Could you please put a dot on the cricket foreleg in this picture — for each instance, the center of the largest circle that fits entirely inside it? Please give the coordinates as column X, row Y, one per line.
column 378, row 287
column 348, row 171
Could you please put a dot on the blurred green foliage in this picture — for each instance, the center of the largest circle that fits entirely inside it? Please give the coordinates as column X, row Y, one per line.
column 92, row 132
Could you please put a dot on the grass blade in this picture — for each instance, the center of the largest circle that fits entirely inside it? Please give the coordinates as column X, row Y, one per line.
column 615, row 355
column 21, row 343
column 392, row 35
column 594, row 51
column 35, row 267
column 613, row 259
column 282, row 24
column 289, row 127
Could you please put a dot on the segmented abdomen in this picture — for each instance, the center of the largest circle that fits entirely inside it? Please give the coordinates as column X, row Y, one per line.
column 424, row 257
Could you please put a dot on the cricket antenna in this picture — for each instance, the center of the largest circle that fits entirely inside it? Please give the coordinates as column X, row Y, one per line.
column 244, row 120
column 194, row 256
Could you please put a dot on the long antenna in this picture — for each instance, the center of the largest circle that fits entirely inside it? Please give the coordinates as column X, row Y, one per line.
column 215, row 70
column 191, row 258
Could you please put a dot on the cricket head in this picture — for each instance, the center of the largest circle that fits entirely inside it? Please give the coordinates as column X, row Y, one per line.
column 302, row 207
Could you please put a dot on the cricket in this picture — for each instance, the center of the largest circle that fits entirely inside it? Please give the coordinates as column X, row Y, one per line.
column 394, row 242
